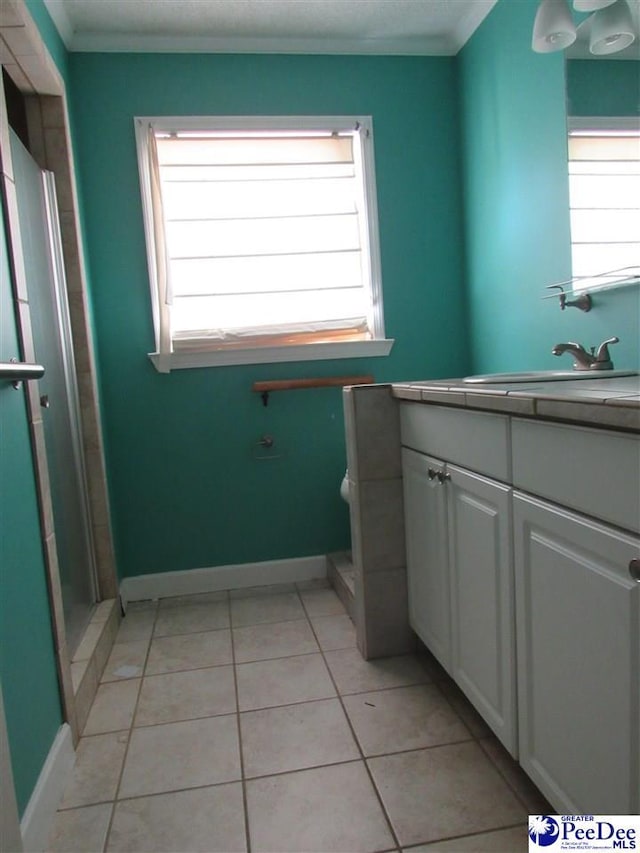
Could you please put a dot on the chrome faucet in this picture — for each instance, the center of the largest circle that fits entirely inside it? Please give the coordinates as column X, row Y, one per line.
column 600, row 360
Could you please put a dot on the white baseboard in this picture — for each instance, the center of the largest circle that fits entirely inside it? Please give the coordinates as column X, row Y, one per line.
column 192, row 581
column 37, row 821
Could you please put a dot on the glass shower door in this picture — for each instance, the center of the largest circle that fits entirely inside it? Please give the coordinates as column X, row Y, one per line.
column 42, row 251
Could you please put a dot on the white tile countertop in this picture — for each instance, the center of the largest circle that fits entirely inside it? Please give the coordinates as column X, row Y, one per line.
column 609, row 402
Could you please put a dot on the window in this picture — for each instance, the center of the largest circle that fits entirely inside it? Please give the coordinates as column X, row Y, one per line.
column 604, row 194
column 261, row 239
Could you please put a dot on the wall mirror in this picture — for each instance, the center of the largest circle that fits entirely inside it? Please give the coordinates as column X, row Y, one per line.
column 603, row 122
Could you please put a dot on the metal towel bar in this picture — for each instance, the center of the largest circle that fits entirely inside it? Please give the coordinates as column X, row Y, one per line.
column 16, row 372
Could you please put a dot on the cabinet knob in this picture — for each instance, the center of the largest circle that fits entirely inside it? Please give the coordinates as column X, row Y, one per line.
column 443, row 476
column 432, row 474
column 634, row 569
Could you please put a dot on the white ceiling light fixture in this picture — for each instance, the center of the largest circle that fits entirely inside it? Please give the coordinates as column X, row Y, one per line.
column 591, row 5
column 553, row 28
column 611, row 29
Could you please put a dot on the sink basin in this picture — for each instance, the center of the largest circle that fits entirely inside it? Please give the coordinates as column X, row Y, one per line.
column 544, row 376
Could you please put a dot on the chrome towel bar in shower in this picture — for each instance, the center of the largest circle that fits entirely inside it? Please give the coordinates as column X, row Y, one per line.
column 16, row 372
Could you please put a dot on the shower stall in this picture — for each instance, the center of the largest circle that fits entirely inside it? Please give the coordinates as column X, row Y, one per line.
column 47, row 293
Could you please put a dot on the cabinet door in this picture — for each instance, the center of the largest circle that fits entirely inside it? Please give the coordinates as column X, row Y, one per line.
column 427, row 566
column 482, row 604
column 578, row 652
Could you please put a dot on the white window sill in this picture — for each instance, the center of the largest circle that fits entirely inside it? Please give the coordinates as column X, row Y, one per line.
column 266, row 355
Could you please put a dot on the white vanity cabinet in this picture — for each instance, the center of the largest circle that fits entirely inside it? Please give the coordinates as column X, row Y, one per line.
column 523, row 559
column 482, row 610
column 426, row 535
column 458, row 536
column 578, row 651
column 578, row 614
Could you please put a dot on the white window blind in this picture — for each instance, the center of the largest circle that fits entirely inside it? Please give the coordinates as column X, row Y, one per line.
column 604, row 192
column 267, row 237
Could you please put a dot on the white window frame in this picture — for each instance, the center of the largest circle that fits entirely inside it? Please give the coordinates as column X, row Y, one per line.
column 378, row 346
column 602, row 279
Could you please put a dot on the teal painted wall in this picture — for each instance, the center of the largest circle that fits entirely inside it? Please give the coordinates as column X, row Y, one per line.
column 516, row 204
column 603, row 88
column 185, row 489
column 27, row 662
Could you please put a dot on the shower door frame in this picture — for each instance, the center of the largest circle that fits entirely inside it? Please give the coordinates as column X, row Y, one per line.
column 35, row 74
column 53, row 343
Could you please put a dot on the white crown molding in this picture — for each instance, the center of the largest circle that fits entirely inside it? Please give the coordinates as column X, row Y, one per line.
column 447, row 44
column 134, row 43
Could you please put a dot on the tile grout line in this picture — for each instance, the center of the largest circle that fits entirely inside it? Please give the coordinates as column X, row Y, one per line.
column 478, row 738
column 505, row 777
column 448, row 838
column 245, row 804
column 130, row 730
column 471, row 738
column 225, row 628
column 433, row 680
column 387, row 818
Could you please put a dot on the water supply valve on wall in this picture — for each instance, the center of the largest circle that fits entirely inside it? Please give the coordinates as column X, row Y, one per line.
column 264, row 447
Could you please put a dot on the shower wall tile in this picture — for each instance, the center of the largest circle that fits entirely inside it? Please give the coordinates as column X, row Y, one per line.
column 106, row 641
column 78, row 669
column 105, row 559
column 55, row 141
column 85, row 694
column 87, row 647
column 52, row 111
column 97, row 496
column 34, row 123
column 103, row 610
column 90, row 658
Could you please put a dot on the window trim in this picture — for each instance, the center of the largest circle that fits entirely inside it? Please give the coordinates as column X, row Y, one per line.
column 380, row 345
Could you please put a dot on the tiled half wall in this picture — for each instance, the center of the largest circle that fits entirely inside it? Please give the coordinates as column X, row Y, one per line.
column 377, row 521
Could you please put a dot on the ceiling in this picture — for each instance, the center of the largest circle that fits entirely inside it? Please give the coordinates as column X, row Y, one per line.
column 404, row 27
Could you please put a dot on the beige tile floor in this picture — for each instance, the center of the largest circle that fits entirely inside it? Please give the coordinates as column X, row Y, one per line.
column 248, row 721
